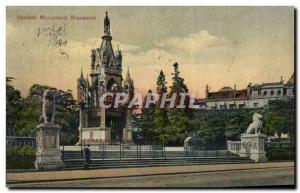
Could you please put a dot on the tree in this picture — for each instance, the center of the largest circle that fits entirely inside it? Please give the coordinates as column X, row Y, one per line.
column 170, row 126
column 161, row 84
column 279, row 118
column 179, row 127
column 66, row 114
column 178, row 85
column 14, row 102
column 158, row 115
column 237, row 122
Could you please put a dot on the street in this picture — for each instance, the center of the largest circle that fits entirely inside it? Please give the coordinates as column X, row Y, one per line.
column 242, row 177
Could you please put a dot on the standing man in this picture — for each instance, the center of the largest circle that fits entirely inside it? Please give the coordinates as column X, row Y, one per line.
column 87, row 156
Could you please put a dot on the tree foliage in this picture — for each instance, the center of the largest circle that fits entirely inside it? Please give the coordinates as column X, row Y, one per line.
column 13, row 106
column 163, row 125
column 171, row 126
column 178, row 85
column 161, row 83
column 24, row 113
column 279, row 117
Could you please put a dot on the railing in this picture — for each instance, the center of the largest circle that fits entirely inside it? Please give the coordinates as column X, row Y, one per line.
column 234, row 147
column 131, row 151
column 18, row 157
column 117, row 152
column 20, row 141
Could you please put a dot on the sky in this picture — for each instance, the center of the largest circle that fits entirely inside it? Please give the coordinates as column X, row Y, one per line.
column 218, row 46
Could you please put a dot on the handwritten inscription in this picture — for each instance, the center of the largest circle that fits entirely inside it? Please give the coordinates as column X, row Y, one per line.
column 56, row 17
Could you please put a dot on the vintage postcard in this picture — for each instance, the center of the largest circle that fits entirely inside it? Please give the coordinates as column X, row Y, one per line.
column 150, row 97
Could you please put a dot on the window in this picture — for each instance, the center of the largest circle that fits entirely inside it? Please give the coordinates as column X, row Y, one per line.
column 279, row 92
column 241, row 106
column 255, row 104
column 232, row 106
column 265, row 93
column 272, row 92
column 289, row 92
column 255, row 93
column 222, row 107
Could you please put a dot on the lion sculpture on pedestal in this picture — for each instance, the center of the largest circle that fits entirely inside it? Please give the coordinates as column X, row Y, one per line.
column 48, row 107
column 256, row 124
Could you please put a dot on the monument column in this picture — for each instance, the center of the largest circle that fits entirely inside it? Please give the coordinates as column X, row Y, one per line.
column 105, row 132
column 81, row 121
column 127, row 130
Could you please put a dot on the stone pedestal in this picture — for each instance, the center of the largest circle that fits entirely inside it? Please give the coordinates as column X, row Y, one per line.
column 95, row 135
column 107, row 134
column 127, row 135
column 253, row 146
column 48, row 155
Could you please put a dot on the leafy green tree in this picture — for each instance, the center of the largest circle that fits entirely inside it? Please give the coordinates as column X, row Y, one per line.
column 179, row 127
column 161, row 84
column 66, row 114
column 170, row 126
column 14, row 104
column 279, row 117
column 160, row 122
column 215, row 127
column 156, row 118
column 237, row 122
column 178, row 85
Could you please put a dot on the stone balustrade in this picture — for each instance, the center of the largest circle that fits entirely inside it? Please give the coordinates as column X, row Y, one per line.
column 234, row 146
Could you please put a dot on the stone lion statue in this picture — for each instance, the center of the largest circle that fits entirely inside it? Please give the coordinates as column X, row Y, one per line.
column 256, row 124
column 48, row 106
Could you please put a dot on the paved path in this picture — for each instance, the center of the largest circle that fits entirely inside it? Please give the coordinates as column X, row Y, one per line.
column 221, row 175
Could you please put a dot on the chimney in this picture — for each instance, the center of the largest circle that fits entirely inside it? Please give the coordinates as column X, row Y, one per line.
column 234, row 92
column 206, row 91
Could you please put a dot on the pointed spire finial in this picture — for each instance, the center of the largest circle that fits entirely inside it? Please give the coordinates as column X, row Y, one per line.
column 81, row 77
column 106, row 24
column 81, row 74
column 127, row 74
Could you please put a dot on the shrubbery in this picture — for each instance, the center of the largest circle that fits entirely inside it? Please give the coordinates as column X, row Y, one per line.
column 23, row 113
column 278, row 153
column 20, row 158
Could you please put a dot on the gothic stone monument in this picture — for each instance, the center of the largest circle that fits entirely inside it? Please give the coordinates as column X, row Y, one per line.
column 253, row 142
column 98, row 125
column 48, row 155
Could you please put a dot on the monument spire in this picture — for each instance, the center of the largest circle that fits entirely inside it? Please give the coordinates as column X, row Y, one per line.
column 81, row 75
column 128, row 74
column 106, row 25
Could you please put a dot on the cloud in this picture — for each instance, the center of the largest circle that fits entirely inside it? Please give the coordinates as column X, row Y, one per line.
column 124, row 47
column 196, row 42
column 96, row 43
column 200, row 49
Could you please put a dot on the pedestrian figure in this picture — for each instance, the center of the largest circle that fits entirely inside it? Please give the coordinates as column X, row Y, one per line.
column 87, row 156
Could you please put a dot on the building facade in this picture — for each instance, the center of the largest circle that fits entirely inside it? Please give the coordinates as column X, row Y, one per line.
column 98, row 125
column 254, row 96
